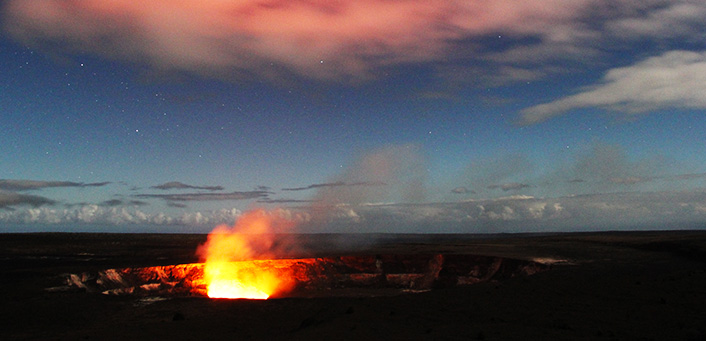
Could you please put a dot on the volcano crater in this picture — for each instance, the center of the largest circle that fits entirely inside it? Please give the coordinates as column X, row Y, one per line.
column 356, row 275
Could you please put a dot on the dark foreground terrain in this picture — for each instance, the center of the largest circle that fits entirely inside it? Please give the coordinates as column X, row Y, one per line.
column 613, row 286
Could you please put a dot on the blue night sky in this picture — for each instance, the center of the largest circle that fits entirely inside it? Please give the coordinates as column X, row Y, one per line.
column 353, row 116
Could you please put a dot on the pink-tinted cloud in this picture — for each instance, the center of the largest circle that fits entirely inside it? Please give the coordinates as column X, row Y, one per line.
column 322, row 39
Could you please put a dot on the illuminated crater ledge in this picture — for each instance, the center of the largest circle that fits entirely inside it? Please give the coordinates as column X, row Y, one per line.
column 368, row 275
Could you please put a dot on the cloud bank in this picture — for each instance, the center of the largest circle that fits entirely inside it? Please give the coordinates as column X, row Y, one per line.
column 118, row 217
column 519, row 213
column 514, row 214
column 385, row 191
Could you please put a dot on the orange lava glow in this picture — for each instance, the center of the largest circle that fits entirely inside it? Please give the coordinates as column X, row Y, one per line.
column 231, row 254
column 239, row 280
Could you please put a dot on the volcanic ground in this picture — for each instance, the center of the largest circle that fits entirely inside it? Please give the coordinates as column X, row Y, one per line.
column 610, row 285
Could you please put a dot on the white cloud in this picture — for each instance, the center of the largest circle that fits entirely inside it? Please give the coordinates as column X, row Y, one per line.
column 672, row 80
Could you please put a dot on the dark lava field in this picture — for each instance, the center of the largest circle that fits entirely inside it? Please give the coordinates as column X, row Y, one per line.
column 608, row 285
